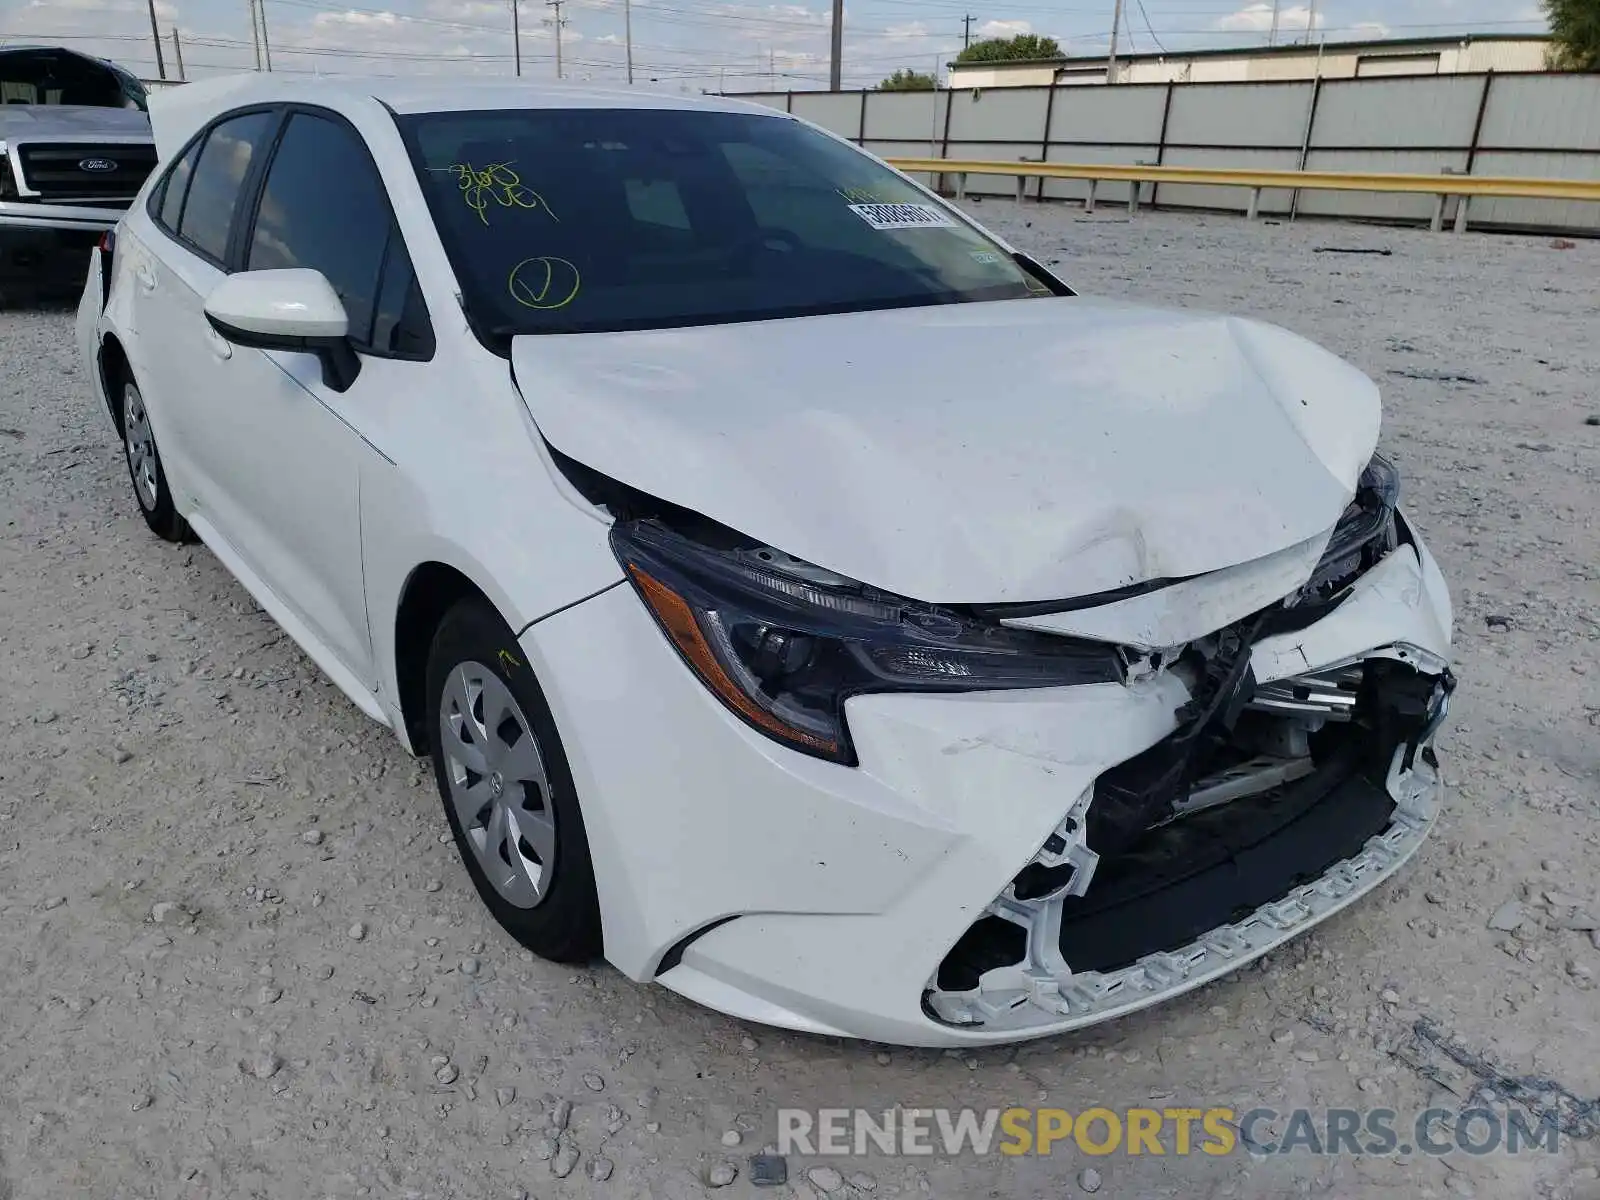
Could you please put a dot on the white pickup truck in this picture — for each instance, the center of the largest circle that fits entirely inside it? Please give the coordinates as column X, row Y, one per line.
column 75, row 146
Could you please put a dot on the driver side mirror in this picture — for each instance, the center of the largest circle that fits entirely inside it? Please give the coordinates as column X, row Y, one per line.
column 292, row 309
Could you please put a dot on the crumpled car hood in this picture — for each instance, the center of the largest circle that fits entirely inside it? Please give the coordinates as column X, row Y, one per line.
column 1007, row 452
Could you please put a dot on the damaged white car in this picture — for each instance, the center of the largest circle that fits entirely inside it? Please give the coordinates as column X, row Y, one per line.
column 808, row 602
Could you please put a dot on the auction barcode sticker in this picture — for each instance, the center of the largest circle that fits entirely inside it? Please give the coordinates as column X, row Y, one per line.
column 902, row 216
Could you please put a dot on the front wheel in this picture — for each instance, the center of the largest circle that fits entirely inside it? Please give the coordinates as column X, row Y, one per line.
column 507, row 790
column 144, row 468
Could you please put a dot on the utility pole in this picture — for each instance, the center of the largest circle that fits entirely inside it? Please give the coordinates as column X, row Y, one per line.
column 772, row 67
column 627, row 34
column 266, row 42
column 558, row 21
column 516, row 37
column 1111, row 58
column 966, row 30
column 837, row 49
column 155, row 34
column 1311, row 20
column 1272, row 34
column 177, row 52
column 255, row 33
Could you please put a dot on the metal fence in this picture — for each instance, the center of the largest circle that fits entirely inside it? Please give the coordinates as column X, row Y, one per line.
column 1536, row 124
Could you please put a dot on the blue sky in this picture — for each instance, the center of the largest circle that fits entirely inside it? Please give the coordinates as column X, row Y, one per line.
column 691, row 45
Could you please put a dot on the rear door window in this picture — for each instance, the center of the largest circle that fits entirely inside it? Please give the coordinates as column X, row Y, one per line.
column 175, row 187
column 217, row 182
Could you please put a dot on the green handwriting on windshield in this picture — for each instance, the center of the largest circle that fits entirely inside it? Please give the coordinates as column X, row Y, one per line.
column 864, row 195
column 544, row 283
column 495, row 183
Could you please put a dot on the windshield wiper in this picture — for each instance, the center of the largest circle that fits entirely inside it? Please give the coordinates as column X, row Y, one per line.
column 507, row 332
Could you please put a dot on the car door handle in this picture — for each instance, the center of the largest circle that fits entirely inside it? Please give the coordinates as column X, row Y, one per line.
column 220, row 346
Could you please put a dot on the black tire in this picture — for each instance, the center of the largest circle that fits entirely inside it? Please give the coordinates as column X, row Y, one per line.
column 564, row 924
column 145, row 471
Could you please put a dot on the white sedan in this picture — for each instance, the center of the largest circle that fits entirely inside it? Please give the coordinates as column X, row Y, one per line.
column 808, row 602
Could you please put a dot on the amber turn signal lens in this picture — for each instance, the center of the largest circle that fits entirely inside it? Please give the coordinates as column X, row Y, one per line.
column 678, row 620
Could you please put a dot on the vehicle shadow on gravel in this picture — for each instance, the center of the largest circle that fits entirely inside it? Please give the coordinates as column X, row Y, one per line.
column 48, row 283
column 16, row 298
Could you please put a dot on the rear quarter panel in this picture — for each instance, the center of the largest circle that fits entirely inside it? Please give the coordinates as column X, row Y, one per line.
column 86, row 330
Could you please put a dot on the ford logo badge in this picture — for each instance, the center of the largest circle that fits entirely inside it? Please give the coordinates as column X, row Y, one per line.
column 96, row 164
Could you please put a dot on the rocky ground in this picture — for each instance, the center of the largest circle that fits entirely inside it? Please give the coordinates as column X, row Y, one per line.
column 238, row 957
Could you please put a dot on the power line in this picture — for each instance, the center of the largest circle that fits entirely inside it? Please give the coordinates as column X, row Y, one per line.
column 343, row 9
column 668, row 20
column 432, row 56
column 662, row 13
column 1150, row 29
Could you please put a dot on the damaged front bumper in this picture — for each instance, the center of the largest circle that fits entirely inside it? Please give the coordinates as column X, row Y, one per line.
column 1183, row 905
column 944, row 892
column 1284, row 798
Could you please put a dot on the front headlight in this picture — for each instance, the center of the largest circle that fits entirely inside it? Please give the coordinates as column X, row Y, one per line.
column 1364, row 534
column 783, row 645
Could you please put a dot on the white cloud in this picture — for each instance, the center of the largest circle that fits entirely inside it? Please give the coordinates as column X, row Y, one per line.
column 906, row 32
column 790, row 12
column 1257, row 18
column 684, row 43
column 1003, row 29
column 470, row 10
column 359, row 20
column 763, row 22
column 389, row 43
column 48, row 9
column 96, row 6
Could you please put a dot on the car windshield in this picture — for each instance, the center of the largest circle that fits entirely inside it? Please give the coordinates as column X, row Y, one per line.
column 62, row 77
column 586, row 220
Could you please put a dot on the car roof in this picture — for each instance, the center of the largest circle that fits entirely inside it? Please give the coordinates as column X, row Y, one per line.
column 178, row 112
column 33, row 48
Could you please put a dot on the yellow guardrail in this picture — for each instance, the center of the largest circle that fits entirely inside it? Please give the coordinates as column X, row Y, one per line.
column 1438, row 186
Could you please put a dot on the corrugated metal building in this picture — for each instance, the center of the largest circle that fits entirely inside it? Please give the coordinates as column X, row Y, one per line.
column 1330, row 60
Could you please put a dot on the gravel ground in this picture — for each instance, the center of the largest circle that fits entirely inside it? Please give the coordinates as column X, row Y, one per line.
column 239, row 958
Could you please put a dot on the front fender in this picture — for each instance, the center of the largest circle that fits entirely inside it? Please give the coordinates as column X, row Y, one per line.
column 522, row 587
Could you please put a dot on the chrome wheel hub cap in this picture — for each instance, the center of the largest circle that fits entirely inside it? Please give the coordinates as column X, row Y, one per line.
column 498, row 786
column 141, row 449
